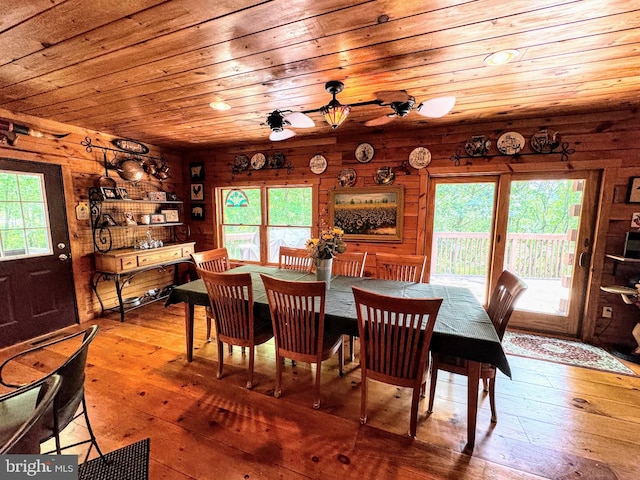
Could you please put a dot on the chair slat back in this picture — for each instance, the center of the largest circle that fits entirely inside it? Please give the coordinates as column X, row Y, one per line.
column 395, row 334
column 405, row 268
column 297, row 313
column 295, row 259
column 231, row 298
column 503, row 299
column 349, row 264
column 216, row 260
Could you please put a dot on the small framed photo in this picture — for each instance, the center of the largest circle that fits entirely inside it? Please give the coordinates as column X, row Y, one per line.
column 129, row 219
column 158, row 218
column 633, row 195
column 158, row 196
column 172, row 216
column 108, row 220
column 197, row 212
column 197, row 191
column 197, row 171
column 109, row 193
column 122, row 193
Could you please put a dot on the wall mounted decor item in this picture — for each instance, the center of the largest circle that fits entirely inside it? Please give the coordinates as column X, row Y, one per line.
column 9, row 132
column 171, row 216
column 196, row 171
column 419, row 157
column 157, row 196
column 318, row 164
column 129, row 219
column 544, row 141
column 123, row 194
column 373, row 214
column 633, row 195
column 241, row 163
column 109, row 193
column 158, row 218
column 477, row 146
column 365, row 152
column 197, row 191
column 130, row 146
column 510, row 143
column 197, row 212
column 347, row 177
column 258, row 160
column 384, row 176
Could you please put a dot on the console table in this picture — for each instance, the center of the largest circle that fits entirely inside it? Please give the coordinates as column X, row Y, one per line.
column 123, row 265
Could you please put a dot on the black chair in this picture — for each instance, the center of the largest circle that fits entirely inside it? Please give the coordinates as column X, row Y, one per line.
column 71, row 393
column 23, row 413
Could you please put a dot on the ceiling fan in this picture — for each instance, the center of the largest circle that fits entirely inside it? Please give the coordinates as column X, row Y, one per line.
column 335, row 113
column 402, row 103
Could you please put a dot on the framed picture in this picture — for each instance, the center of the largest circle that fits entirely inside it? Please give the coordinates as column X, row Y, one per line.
column 197, row 191
column 197, row 212
column 109, row 193
column 633, row 195
column 122, row 193
column 158, row 196
column 171, row 216
column 108, row 220
column 373, row 214
column 158, row 218
column 129, row 219
column 197, row 171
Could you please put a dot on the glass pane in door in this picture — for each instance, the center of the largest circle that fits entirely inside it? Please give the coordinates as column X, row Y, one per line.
column 541, row 238
column 462, row 231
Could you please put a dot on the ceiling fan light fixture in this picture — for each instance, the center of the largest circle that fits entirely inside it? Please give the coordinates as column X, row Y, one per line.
column 282, row 134
column 299, row 120
column 276, row 121
column 437, row 107
column 335, row 113
column 501, row 57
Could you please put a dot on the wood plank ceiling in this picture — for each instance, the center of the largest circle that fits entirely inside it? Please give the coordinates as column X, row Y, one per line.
column 148, row 69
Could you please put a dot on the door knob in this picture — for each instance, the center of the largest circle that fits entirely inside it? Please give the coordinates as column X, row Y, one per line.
column 62, row 257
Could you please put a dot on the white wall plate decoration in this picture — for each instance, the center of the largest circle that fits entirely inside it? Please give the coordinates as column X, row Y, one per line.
column 419, row 157
column 318, row 164
column 365, row 152
column 258, row 161
column 510, row 143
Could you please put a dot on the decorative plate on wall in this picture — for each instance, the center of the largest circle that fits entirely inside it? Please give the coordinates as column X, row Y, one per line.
column 258, row 161
column 510, row 143
column 347, row 177
column 384, row 176
column 318, row 164
column 545, row 141
column 241, row 162
column 419, row 157
column 477, row 146
column 365, row 152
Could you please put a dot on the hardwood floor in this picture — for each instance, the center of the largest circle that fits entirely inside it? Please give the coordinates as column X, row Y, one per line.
column 554, row 421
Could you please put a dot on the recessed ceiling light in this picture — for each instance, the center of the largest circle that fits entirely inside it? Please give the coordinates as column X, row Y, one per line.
column 501, row 57
column 220, row 105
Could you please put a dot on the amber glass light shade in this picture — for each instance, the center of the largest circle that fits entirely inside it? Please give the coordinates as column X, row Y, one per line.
column 335, row 113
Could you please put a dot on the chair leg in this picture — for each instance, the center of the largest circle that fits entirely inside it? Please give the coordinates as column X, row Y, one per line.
column 413, row 421
column 220, row 358
column 251, row 362
column 94, row 441
column 341, row 358
column 492, row 399
column 278, row 391
column 208, row 328
column 485, row 384
column 316, row 400
column 351, row 348
column 363, row 399
column 432, row 388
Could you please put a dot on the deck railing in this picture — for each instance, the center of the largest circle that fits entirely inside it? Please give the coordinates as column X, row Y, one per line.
column 532, row 256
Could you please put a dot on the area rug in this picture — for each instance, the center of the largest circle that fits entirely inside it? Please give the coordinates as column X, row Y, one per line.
column 568, row 352
column 127, row 463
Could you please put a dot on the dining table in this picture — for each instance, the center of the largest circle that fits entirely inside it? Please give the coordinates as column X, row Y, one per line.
column 462, row 326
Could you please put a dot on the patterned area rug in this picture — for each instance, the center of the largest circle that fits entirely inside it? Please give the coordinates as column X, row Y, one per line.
column 127, row 463
column 562, row 351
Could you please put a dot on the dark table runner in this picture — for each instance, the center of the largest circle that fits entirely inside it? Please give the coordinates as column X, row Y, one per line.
column 462, row 328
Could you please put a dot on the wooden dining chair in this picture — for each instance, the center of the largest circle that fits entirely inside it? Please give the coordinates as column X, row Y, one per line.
column 295, row 259
column 500, row 307
column 215, row 260
column 405, row 268
column 231, row 298
column 297, row 314
column 350, row 264
column 395, row 334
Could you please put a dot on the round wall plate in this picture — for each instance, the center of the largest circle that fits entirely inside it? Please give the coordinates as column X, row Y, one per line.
column 419, row 157
column 318, row 164
column 258, row 161
column 510, row 143
column 365, row 152
column 347, row 177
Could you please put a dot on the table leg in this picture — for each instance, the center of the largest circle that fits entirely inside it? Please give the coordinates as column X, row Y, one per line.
column 188, row 323
column 473, row 380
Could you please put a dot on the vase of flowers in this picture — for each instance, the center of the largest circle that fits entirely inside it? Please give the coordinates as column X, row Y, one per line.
column 323, row 249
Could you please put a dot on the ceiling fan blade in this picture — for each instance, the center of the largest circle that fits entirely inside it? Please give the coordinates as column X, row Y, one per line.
column 380, row 120
column 299, row 120
column 436, row 107
column 281, row 135
column 389, row 96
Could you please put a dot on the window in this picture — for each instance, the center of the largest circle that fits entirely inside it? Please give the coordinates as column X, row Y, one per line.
column 24, row 223
column 257, row 221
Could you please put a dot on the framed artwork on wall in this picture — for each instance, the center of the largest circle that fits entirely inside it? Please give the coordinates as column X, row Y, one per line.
column 197, row 171
column 373, row 214
column 197, row 212
column 633, row 195
column 197, row 191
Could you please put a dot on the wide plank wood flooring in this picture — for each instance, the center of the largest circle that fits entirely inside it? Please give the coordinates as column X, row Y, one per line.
column 554, row 421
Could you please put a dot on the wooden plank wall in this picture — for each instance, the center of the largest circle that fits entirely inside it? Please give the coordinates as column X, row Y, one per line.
column 607, row 141
column 80, row 171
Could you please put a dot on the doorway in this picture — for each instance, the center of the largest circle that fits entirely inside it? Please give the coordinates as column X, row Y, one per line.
column 36, row 277
column 536, row 225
